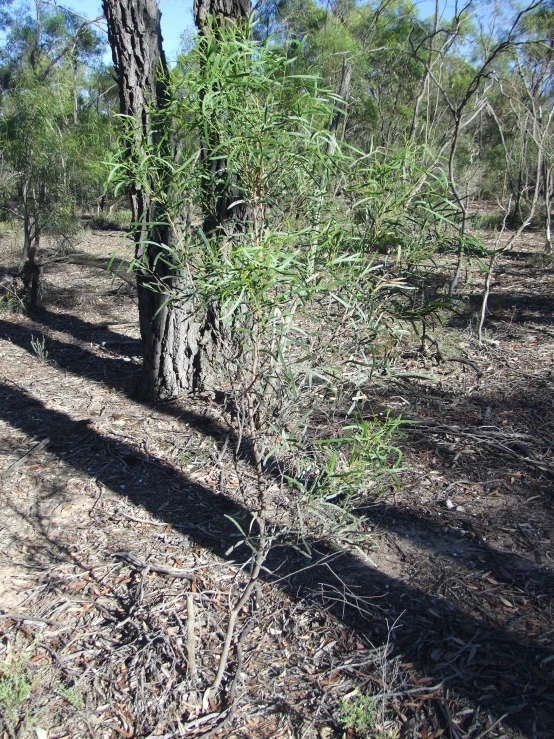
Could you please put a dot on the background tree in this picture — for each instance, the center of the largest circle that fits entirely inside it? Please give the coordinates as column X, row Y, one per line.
column 47, row 132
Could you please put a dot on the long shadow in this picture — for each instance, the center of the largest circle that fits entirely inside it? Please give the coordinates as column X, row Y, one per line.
column 427, row 623
column 123, row 376
column 115, row 372
column 88, row 332
column 461, row 539
column 516, row 307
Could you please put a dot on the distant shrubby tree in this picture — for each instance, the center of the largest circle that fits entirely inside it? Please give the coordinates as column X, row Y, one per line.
column 53, row 139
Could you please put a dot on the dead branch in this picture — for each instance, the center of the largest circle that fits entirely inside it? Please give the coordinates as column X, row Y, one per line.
column 469, row 362
column 191, row 639
column 160, row 569
column 12, row 468
column 23, row 617
column 116, row 267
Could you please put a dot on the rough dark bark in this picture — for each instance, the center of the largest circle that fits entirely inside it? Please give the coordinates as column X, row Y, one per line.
column 222, row 217
column 179, row 349
column 221, row 9
column 174, row 341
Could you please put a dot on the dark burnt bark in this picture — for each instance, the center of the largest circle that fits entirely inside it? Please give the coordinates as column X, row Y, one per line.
column 174, row 341
column 221, row 9
column 179, row 348
column 221, row 218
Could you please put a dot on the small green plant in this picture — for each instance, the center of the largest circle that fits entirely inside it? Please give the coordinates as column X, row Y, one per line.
column 11, row 301
column 364, row 713
column 357, row 459
column 15, row 688
column 73, row 696
column 39, row 348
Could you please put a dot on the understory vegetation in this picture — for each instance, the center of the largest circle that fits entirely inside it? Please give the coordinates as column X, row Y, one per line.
column 314, row 207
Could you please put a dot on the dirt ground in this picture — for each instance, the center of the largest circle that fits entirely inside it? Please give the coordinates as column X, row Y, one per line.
column 118, row 562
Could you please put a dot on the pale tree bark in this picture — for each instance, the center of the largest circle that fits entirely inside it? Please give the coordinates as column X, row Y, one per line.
column 176, row 342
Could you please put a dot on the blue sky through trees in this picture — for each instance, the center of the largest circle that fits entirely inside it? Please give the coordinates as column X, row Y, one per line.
column 177, row 17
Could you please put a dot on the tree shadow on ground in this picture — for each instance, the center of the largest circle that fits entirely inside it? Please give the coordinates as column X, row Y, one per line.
column 516, row 307
column 477, row 650
column 101, row 334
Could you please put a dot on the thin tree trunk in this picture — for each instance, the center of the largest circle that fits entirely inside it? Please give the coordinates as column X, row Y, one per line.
column 341, row 104
column 547, row 184
column 26, row 229
column 34, row 275
column 74, row 62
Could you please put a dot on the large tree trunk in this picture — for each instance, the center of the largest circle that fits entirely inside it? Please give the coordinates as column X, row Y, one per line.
column 176, row 346
column 179, row 348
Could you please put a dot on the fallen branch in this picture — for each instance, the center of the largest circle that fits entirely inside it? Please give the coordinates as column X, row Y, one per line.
column 191, row 638
column 463, row 360
column 160, row 569
column 238, row 670
column 22, row 617
column 117, row 267
column 37, row 448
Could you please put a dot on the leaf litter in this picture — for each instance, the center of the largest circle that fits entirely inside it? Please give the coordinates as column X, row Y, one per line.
column 112, row 529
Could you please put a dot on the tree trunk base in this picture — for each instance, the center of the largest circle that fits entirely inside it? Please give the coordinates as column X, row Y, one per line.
column 180, row 352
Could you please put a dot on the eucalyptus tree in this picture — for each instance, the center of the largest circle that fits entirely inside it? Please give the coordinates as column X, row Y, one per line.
column 178, row 344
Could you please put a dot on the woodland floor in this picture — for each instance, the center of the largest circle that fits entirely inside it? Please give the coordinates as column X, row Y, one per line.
column 450, row 625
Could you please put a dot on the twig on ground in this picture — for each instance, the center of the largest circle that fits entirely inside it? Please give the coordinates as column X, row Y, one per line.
column 259, row 559
column 469, row 362
column 142, row 520
column 242, row 638
column 191, row 639
column 12, row 468
column 217, row 728
column 169, row 571
column 23, row 617
column 453, row 729
column 492, row 726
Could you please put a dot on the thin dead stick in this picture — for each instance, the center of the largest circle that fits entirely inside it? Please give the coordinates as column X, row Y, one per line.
column 242, row 638
column 191, row 645
column 224, row 658
column 492, row 726
column 160, row 569
column 441, row 358
column 163, row 524
column 201, row 720
column 485, row 300
column 443, row 705
column 469, row 362
column 23, row 617
column 37, row 448
column 217, row 728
